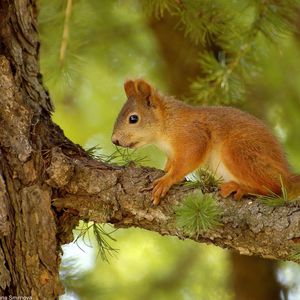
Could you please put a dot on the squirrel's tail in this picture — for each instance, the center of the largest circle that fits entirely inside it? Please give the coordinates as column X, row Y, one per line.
column 293, row 186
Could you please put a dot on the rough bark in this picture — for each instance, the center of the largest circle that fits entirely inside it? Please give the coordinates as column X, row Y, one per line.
column 47, row 183
column 104, row 194
column 29, row 250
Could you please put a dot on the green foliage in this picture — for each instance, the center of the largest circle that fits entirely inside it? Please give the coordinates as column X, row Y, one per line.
column 276, row 18
column 228, row 37
column 148, row 265
column 102, row 236
column 157, row 8
column 121, row 156
column 218, row 82
column 204, row 179
column 105, row 249
column 203, row 21
column 295, row 253
column 273, row 199
column 198, row 212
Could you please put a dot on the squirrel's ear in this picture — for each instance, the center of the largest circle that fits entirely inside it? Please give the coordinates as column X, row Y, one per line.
column 144, row 88
column 147, row 92
column 129, row 87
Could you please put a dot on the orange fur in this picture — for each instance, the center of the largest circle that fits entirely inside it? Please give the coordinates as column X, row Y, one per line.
column 234, row 144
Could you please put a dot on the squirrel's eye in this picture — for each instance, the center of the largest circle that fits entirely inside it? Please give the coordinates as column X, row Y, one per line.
column 133, row 119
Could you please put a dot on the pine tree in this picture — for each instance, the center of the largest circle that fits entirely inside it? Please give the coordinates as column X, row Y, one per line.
column 232, row 37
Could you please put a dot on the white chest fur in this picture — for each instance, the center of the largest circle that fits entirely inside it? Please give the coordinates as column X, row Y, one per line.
column 165, row 147
column 218, row 168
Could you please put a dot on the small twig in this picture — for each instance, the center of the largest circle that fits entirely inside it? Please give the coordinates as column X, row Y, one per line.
column 65, row 36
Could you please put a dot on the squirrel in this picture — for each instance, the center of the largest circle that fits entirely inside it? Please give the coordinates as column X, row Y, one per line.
column 234, row 145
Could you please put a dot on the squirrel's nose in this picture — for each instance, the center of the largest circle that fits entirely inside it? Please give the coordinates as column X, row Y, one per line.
column 115, row 141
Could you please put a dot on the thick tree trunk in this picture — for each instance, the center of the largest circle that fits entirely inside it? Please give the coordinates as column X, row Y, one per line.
column 254, row 278
column 178, row 52
column 47, row 183
column 29, row 251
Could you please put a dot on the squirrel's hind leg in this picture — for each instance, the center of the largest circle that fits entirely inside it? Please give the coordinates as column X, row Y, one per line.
column 254, row 166
column 230, row 187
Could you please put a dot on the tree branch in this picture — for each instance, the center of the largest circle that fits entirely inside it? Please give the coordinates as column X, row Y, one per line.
column 90, row 190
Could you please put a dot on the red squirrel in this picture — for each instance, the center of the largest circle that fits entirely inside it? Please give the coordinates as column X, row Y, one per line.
column 233, row 144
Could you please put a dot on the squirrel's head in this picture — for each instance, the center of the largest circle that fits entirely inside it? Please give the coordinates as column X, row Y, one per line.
column 138, row 121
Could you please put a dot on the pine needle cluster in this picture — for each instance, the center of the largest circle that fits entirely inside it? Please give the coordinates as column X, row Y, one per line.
column 274, row 200
column 198, row 213
column 121, row 156
column 204, row 179
column 102, row 236
column 295, row 254
column 231, row 37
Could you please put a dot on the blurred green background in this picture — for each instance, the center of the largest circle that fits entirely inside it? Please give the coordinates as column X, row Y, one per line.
column 111, row 41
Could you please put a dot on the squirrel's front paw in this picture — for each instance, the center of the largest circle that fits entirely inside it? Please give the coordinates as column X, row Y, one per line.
column 160, row 189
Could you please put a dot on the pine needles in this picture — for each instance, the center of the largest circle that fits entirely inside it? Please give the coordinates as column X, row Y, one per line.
column 228, row 36
column 276, row 17
column 102, row 237
column 157, row 7
column 295, row 254
column 199, row 212
column 273, row 199
column 105, row 249
column 121, row 156
column 205, row 180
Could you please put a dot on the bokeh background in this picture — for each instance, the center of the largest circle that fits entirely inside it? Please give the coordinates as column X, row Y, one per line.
column 243, row 53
